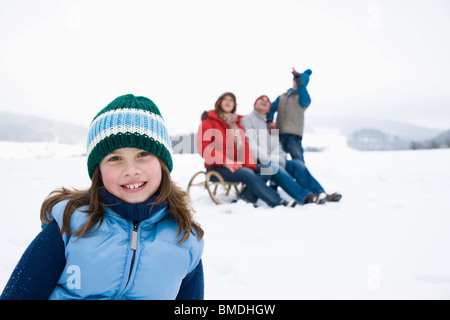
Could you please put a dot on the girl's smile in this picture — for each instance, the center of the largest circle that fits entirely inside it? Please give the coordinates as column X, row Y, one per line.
column 131, row 174
column 134, row 187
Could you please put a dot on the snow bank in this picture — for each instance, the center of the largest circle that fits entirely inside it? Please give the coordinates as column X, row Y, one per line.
column 27, row 150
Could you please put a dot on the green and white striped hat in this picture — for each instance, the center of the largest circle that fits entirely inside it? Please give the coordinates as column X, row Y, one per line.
column 128, row 122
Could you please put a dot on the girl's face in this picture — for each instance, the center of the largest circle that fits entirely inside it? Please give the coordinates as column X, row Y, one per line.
column 131, row 174
column 227, row 104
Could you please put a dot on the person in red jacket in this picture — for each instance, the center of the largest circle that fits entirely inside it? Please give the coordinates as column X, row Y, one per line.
column 221, row 141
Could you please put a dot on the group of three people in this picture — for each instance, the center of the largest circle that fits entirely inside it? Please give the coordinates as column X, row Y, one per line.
column 246, row 149
column 132, row 233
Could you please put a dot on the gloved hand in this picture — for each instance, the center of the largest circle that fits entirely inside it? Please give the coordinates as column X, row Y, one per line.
column 297, row 77
column 271, row 126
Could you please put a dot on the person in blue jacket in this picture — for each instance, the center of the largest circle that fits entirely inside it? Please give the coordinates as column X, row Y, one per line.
column 131, row 235
column 291, row 107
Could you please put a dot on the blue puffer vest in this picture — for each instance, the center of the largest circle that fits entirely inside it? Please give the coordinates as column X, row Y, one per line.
column 120, row 261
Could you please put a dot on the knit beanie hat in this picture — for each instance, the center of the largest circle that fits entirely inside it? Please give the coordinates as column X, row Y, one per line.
column 260, row 97
column 128, row 122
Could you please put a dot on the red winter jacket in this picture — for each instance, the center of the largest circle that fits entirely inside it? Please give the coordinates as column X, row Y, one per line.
column 215, row 143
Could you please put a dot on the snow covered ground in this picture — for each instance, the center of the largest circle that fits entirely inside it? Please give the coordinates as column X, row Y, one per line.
column 388, row 238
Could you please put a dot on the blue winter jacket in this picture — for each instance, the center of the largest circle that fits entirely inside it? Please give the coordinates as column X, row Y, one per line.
column 103, row 266
column 124, row 259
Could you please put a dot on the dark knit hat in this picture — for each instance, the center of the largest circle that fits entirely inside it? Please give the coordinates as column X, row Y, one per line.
column 128, row 122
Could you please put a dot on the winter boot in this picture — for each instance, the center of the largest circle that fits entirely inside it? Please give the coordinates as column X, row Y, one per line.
column 334, row 197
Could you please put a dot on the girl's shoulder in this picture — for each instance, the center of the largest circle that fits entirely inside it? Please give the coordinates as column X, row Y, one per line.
column 77, row 219
column 57, row 213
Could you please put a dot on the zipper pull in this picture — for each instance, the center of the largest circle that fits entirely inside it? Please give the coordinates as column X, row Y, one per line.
column 134, row 235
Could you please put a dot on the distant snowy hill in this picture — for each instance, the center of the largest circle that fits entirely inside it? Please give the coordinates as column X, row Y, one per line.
column 26, row 128
column 373, row 139
column 348, row 125
column 441, row 141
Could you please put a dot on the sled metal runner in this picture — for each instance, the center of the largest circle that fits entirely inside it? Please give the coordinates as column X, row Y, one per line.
column 214, row 184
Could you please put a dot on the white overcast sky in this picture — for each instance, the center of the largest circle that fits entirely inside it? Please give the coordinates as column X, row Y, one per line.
column 382, row 59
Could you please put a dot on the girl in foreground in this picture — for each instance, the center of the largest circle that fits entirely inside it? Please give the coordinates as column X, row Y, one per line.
column 131, row 235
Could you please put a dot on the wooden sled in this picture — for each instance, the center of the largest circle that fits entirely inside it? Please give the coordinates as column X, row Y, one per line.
column 214, row 183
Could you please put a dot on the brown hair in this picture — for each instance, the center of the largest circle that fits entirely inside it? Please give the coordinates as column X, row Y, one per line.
column 177, row 199
column 218, row 105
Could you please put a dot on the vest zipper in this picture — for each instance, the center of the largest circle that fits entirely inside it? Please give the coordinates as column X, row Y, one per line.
column 133, row 247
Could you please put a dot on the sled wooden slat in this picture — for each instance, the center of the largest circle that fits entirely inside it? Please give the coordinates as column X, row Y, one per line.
column 213, row 186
